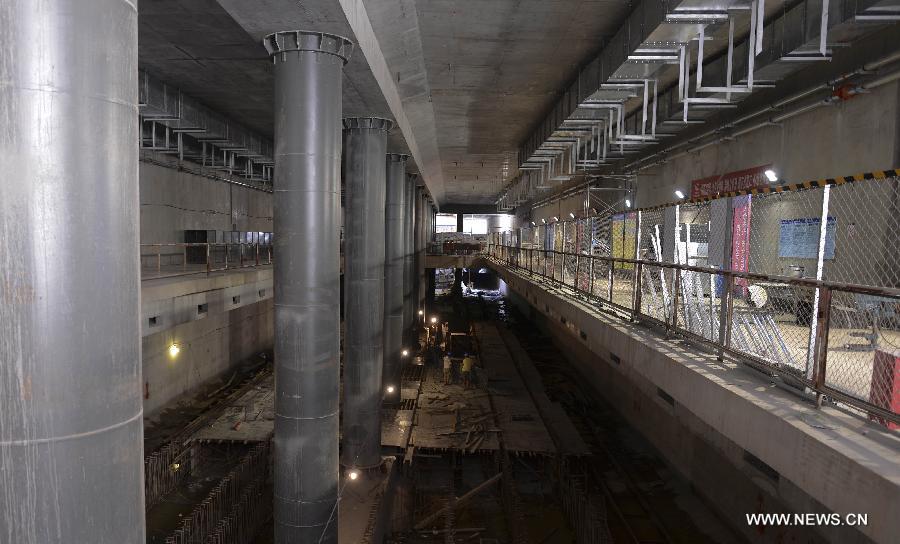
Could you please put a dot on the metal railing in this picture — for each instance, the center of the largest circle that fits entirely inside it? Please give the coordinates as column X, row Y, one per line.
column 725, row 310
column 179, row 259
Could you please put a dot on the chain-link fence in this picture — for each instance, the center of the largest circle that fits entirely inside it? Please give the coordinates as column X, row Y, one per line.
column 802, row 280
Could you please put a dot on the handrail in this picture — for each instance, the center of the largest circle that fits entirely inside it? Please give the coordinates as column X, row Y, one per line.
column 534, row 261
column 206, row 262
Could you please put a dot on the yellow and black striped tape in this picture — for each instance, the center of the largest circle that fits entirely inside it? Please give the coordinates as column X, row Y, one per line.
column 878, row 174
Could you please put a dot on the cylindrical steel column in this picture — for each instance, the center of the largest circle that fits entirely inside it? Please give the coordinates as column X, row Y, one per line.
column 409, row 256
column 365, row 146
column 307, row 206
column 421, row 226
column 71, row 419
column 395, row 260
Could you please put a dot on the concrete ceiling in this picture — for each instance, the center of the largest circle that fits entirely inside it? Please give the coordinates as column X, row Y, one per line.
column 199, row 46
column 466, row 80
column 493, row 69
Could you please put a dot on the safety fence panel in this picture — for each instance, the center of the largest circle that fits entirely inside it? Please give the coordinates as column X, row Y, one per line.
column 623, row 232
column 782, row 237
column 699, row 300
column 652, row 234
column 600, row 279
column 865, row 219
column 695, row 267
column 657, row 292
column 772, row 321
column 863, row 355
column 600, row 233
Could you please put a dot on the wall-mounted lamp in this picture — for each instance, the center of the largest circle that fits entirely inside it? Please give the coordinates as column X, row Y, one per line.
column 544, row 221
column 771, row 175
column 572, row 215
column 174, row 350
column 627, row 202
column 555, row 218
column 678, row 193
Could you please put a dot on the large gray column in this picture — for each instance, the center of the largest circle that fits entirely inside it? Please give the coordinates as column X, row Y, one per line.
column 409, row 254
column 395, row 260
column 307, row 206
column 421, row 226
column 365, row 146
column 71, row 421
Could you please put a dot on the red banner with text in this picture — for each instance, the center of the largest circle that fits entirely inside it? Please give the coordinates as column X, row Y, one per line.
column 750, row 178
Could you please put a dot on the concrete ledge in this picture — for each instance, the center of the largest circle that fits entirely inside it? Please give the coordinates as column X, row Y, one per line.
column 168, row 302
column 449, row 261
column 814, row 460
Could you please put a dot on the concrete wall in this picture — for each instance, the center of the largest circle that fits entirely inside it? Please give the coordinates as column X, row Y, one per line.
column 216, row 321
column 173, row 201
column 859, row 135
column 238, row 316
column 711, row 422
column 208, row 348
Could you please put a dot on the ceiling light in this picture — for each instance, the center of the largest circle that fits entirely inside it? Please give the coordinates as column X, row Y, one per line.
column 678, row 193
column 773, row 177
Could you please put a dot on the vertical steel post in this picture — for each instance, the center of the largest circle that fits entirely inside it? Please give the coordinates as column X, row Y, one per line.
column 726, row 318
column 307, row 217
column 365, row 146
column 71, row 419
column 395, row 259
column 820, row 263
column 822, row 328
column 409, row 306
column 726, row 300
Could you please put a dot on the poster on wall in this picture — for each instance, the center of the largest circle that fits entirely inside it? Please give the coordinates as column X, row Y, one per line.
column 623, row 230
column 740, row 239
column 751, row 178
column 799, row 238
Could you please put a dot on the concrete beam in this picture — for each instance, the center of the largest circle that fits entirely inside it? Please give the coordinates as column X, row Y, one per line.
column 429, row 163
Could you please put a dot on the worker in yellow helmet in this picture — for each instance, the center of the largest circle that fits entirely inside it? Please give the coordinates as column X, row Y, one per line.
column 467, row 370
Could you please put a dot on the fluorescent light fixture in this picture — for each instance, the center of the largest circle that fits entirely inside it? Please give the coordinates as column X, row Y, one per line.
column 627, row 203
column 572, row 215
column 678, row 193
column 773, row 177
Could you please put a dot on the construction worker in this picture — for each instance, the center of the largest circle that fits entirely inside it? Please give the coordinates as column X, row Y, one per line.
column 448, row 367
column 467, row 370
